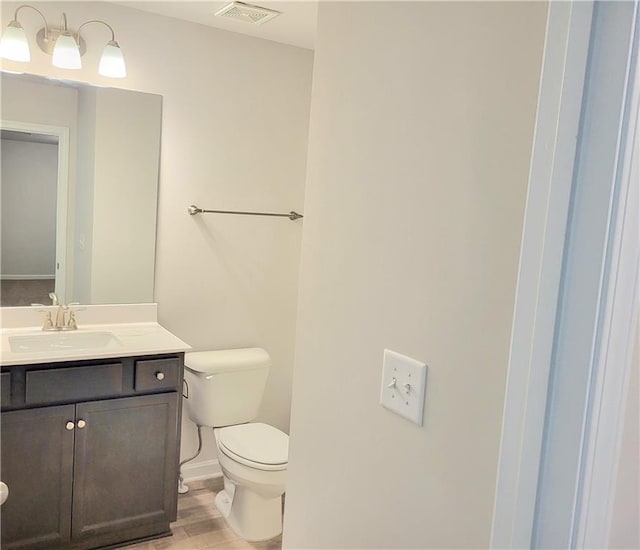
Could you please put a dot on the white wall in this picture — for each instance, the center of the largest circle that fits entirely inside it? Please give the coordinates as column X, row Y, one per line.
column 83, row 226
column 234, row 136
column 29, row 183
column 625, row 524
column 127, row 145
column 421, row 133
column 118, row 152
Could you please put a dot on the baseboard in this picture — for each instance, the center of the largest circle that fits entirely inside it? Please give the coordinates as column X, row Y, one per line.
column 27, row 277
column 201, row 470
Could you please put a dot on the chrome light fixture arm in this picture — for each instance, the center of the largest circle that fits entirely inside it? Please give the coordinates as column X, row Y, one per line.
column 113, row 34
column 46, row 37
column 44, row 19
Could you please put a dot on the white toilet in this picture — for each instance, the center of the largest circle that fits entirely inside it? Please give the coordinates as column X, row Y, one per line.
column 224, row 392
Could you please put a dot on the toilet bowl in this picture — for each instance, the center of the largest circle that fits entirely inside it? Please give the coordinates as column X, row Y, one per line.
column 224, row 392
column 253, row 458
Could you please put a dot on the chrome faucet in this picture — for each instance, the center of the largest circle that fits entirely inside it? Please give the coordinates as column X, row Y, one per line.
column 65, row 316
column 61, row 313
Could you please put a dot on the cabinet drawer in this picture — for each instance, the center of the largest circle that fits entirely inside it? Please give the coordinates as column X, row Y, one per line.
column 73, row 383
column 5, row 389
column 157, row 374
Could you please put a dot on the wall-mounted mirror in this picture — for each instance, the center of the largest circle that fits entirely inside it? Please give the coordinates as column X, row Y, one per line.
column 78, row 189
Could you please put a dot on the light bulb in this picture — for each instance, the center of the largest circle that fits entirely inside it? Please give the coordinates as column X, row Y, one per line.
column 14, row 43
column 112, row 61
column 66, row 53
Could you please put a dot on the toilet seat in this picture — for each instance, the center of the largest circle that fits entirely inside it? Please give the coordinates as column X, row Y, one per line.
column 255, row 445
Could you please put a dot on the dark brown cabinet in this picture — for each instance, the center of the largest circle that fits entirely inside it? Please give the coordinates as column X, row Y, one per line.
column 92, row 473
column 124, row 474
column 37, row 466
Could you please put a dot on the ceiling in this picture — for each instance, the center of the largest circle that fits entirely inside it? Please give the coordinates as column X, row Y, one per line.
column 296, row 25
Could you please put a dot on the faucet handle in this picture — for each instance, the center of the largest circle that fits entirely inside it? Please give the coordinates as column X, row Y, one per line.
column 48, row 322
column 71, row 323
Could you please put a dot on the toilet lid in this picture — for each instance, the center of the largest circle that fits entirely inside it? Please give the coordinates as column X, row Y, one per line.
column 256, row 443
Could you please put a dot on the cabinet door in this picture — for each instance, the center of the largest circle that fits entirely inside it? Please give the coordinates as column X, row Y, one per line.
column 37, row 466
column 125, row 466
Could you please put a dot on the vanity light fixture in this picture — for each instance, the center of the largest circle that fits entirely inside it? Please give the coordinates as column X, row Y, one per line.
column 14, row 43
column 65, row 46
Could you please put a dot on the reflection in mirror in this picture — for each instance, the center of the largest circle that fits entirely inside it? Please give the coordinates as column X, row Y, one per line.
column 78, row 192
column 29, row 177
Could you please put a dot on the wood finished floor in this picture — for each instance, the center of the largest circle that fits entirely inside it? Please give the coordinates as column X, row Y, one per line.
column 200, row 525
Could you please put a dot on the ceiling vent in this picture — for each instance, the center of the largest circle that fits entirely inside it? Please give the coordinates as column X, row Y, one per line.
column 247, row 13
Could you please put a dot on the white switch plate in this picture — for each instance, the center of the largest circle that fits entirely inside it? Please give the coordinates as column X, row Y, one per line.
column 406, row 396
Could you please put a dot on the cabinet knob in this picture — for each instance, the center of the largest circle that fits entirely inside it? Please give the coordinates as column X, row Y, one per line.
column 160, row 375
column 70, row 425
column 81, row 423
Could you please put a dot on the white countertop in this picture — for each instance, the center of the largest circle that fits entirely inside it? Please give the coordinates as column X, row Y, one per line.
column 129, row 339
column 132, row 339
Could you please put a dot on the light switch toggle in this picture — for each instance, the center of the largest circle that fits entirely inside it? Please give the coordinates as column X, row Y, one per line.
column 403, row 385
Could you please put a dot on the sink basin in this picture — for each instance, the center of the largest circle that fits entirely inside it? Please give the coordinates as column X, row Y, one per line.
column 61, row 341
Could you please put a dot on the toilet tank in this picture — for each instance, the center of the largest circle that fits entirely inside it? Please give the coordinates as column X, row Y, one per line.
column 225, row 387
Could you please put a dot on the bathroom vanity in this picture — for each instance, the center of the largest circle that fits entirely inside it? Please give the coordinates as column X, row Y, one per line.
column 90, row 431
column 90, row 418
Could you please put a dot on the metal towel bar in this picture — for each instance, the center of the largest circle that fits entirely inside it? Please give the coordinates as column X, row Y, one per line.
column 193, row 210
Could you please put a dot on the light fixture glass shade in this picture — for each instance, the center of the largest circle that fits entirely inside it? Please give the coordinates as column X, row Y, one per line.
column 112, row 61
column 66, row 53
column 13, row 44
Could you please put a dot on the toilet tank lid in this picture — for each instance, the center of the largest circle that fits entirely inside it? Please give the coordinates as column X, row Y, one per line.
column 226, row 360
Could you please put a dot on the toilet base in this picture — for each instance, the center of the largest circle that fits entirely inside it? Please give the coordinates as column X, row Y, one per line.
column 251, row 516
